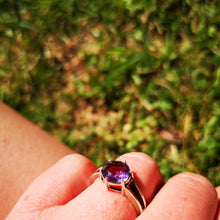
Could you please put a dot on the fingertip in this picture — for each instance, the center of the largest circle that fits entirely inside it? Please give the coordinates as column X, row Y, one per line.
column 184, row 196
column 197, row 181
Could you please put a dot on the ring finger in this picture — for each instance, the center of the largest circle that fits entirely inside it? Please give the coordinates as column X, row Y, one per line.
column 98, row 203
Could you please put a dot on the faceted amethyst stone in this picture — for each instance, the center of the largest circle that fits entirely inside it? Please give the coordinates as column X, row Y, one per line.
column 116, row 171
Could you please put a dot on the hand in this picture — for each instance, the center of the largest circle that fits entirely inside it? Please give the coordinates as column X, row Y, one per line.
column 62, row 192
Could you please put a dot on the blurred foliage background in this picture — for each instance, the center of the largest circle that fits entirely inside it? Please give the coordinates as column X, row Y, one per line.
column 109, row 77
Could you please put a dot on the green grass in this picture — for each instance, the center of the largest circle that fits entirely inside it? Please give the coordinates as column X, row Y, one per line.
column 111, row 77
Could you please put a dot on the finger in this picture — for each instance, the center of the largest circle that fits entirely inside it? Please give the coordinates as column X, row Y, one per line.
column 218, row 209
column 59, row 184
column 185, row 196
column 96, row 202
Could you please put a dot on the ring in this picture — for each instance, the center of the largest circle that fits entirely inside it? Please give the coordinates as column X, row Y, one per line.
column 118, row 177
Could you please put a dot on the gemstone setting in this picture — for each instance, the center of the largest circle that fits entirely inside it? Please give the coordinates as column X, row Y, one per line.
column 116, row 172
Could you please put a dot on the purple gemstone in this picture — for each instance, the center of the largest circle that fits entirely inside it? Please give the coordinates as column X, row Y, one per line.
column 116, row 172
